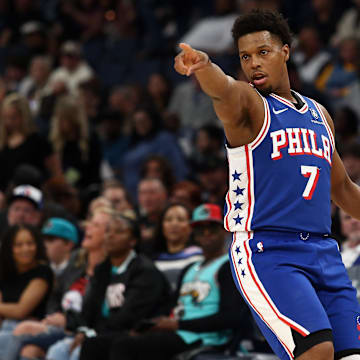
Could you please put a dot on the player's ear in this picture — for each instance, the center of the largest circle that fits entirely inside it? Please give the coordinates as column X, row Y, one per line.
column 286, row 51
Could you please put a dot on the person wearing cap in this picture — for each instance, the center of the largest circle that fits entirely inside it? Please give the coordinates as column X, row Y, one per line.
column 125, row 289
column 208, row 305
column 72, row 71
column 60, row 236
column 25, row 206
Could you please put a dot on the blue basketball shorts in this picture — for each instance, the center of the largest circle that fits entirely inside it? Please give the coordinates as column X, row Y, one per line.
column 298, row 290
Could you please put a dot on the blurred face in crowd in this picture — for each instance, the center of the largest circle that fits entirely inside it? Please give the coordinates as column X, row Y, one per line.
column 349, row 51
column 70, row 61
column 12, row 118
column 352, row 166
column 157, row 85
column 117, row 198
column 349, row 225
column 95, row 231
column 22, row 211
column 142, row 122
column 154, row 169
column 57, row 249
column 39, row 70
column 210, row 236
column 152, row 196
column 24, row 249
column 176, row 225
column 119, row 239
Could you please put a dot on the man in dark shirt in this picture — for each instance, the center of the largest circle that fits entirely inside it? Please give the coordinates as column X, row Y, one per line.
column 208, row 306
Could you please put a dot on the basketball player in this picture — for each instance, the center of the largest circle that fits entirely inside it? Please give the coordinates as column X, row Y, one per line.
column 284, row 170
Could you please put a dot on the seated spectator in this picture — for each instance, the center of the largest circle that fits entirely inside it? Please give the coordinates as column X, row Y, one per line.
column 125, row 288
column 25, row 206
column 118, row 197
column 78, row 148
column 350, row 229
column 35, row 86
column 351, row 159
column 208, row 307
column 310, row 55
column 152, row 199
column 25, row 281
column 32, row 338
column 157, row 166
column 20, row 144
column 60, row 236
column 149, row 139
column 72, row 71
column 173, row 251
column 187, row 193
column 335, row 79
column 159, row 89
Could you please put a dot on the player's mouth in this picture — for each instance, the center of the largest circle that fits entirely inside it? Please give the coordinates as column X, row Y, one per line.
column 258, row 79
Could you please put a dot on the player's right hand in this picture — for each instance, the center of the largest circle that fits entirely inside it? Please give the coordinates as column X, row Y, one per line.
column 189, row 60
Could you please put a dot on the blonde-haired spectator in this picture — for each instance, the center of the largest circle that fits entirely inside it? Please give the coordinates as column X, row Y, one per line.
column 20, row 143
column 79, row 150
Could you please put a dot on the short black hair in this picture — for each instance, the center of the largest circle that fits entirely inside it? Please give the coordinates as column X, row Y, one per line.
column 262, row 20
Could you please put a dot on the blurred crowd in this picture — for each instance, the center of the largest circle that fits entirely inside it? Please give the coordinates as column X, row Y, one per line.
column 99, row 135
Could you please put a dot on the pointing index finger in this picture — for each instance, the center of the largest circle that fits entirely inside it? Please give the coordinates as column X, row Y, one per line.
column 186, row 47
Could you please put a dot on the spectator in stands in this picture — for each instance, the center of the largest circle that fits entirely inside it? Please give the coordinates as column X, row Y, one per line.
column 209, row 34
column 346, row 126
column 189, row 102
column 211, row 173
column 25, row 281
column 309, row 55
column 152, row 199
column 32, row 338
column 20, row 144
column 82, row 18
column 348, row 25
column 118, row 197
column 60, row 236
column 338, row 75
column 35, row 86
column 350, row 229
column 90, row 99
column 25, row 206
column 157, row 166
column 78, row 149
column 159, row 89
column 173, row 250
column 187, row 193
column 125, row 288
column 208, row 306
column 149, row 139
column 72, row 71
column 114, row 141
column 351, row 159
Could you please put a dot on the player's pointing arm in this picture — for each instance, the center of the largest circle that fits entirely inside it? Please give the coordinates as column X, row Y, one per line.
column 233, row 100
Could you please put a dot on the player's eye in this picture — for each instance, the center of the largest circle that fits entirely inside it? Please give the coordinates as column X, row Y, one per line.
column 264, row 52
column 244, row 57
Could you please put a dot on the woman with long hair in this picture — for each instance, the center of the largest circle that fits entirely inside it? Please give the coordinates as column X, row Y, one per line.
column 173, row 248
column 20, row 143
column 78, row 149
column 25, row 279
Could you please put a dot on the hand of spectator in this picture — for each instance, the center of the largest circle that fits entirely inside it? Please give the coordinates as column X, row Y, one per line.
column 29, row 327
column 55, row 319
column 165, row 323
column 78, row 340
column 190, row 60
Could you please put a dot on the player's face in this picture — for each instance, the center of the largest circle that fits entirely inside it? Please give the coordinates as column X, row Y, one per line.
column 263, row 60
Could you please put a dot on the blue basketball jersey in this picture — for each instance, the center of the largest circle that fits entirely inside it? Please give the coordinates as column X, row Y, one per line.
column 281, row 180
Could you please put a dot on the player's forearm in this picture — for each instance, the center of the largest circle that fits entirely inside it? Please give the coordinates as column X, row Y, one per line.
column 213, row 81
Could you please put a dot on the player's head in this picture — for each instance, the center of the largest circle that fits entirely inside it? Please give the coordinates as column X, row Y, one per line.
column 263, row 38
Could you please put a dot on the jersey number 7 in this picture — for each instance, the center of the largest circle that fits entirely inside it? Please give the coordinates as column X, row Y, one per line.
column 311, row 172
